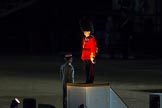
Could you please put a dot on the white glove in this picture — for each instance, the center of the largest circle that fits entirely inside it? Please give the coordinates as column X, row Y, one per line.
column 93, row 60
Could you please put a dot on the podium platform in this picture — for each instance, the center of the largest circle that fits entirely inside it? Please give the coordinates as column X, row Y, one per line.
column 98, row 95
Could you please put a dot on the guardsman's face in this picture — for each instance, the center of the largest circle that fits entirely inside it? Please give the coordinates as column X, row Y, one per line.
column 87, row 33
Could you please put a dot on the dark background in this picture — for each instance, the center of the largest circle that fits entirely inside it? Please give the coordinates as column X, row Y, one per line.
column 51, row 27
column 48, row 28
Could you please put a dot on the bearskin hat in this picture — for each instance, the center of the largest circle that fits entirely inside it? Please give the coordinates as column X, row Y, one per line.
column 86, row 25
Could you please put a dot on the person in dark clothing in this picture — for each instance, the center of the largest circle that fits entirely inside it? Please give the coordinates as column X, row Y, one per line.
column 125, row 32
column 67, row 76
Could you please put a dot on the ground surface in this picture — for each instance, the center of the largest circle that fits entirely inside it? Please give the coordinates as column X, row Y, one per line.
column 38, row 77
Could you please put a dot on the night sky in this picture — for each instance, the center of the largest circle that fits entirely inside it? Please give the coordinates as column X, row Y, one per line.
column 50, row 27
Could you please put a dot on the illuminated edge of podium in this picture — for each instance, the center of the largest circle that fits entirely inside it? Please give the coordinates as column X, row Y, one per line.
column 97, row 95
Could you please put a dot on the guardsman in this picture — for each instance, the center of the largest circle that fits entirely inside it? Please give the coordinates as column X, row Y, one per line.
column 89, row 49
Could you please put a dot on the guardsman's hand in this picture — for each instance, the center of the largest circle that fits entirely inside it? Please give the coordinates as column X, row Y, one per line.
column 93, row 60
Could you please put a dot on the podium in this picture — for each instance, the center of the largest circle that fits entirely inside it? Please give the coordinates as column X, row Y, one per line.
column 99, row 95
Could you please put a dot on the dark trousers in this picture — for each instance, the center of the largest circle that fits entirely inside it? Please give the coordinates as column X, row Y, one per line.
column 89, row 70
column 64, row 96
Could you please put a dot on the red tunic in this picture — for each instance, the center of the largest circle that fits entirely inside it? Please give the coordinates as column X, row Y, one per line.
column 89, row 47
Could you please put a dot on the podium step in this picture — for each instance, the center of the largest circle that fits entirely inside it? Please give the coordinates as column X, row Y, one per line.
column 93, row 96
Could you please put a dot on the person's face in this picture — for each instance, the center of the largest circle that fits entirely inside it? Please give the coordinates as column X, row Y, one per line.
column 87, row 33
column 70, row 60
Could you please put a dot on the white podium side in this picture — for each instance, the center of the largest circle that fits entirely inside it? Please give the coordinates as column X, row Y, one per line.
column 92, row 96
